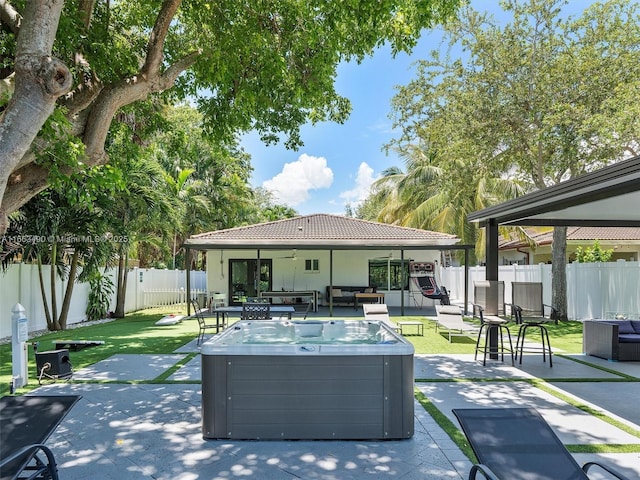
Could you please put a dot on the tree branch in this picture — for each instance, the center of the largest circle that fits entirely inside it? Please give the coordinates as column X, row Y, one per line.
column 153, row 62
column 10, row 17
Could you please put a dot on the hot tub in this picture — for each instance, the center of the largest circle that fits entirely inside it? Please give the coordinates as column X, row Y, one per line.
column 304, row 380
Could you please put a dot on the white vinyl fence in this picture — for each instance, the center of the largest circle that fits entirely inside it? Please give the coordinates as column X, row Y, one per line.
column 594, row 290
column 146, row 288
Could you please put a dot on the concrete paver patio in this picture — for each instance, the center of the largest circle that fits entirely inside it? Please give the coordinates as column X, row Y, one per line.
column 153, row 431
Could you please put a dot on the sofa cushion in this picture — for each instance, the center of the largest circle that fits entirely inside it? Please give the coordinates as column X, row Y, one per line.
column 636, row 325
column 629, row 338
column 624, row 326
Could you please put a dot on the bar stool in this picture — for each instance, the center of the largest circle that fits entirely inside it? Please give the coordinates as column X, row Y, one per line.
column 522, row 332
column 489, row 324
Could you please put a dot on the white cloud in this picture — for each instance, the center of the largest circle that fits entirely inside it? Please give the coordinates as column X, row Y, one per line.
column 361, row 190
column 297, row 179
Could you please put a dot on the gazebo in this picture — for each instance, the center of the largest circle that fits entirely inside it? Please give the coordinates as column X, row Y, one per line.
column 609, row 197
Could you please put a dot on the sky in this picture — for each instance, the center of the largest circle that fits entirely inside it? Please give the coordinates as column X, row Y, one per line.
column 339, row 162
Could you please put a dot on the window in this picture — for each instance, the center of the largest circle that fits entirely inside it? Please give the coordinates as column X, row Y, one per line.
column 312, row 265
column 388, row 275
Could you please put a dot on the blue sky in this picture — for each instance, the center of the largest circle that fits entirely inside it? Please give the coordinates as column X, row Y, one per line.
column 338, row 163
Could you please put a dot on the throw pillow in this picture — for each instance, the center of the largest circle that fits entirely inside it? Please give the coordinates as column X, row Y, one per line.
column 336, row 292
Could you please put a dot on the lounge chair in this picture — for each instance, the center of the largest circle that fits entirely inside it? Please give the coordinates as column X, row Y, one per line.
column 518, row 444
column 26, row 422
column 379, row 312
column 449, row 318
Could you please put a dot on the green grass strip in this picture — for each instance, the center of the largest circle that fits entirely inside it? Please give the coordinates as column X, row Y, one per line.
column 447, row 425
column 629, row 378
column 163, row 378
column 605, row 448
column 543, row 385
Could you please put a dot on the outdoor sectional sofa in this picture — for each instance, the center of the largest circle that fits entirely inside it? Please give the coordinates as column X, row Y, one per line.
column 612, row 339
column 345, row 295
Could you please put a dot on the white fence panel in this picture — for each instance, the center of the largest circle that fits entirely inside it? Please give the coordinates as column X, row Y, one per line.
column 20, row 284
column 594, row 290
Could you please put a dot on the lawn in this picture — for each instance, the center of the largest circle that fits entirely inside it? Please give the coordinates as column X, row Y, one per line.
column 137, row 333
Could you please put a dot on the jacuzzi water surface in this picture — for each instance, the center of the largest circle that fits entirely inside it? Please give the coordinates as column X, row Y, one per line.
column 334, row 379
column 331, row 337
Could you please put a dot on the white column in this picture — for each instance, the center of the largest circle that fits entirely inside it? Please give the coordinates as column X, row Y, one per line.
column 19, row 337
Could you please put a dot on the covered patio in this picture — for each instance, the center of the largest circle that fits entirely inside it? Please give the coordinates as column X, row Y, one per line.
column 314, row 255
column 609, row 197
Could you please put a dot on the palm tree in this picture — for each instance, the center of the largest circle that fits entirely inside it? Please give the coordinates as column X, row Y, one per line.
column 191, row 206
column 438, row 194
column 141, row 213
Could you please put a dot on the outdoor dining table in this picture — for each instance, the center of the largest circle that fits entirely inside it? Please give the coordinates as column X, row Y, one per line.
column 223, row 312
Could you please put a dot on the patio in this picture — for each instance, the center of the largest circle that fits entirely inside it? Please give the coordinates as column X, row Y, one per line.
column 133, row 431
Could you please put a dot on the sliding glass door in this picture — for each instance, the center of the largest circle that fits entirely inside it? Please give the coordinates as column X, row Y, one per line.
column 243, row 279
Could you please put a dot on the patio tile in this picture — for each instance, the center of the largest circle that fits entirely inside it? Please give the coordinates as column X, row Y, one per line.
column 150, row 431
column 128, row 367
column 464, row 366
column 154, row 431
column 189, row 371
column 573, row 426
column 627, row 368
column 609, row 397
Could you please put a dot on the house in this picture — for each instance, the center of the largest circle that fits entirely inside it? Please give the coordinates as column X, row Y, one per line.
column 624, row 241
column 314, row 252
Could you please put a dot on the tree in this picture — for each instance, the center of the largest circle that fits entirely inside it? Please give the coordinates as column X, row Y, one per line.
column 437, row 194
column 542, row 98
column 69, row 234
column 593, row 254
column 268, row 67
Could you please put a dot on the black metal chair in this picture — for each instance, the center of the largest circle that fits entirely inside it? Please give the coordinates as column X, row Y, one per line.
column 490, row 324
column 255, row 311
column 518, row 444
column 202, row 323
column 526, row 323
column 530, row 312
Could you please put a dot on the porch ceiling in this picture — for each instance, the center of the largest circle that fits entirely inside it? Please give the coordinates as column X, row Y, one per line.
column 609, row 197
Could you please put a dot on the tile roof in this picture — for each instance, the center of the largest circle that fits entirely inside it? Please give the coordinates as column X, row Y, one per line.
column 577, row 234
column 320, row 230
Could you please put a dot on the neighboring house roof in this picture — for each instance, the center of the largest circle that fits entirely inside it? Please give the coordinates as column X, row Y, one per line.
column 321, row 231
column 575, row 234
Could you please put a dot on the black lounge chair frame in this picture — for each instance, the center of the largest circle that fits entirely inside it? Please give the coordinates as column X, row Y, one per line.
column 26, row 422
column 518, row 444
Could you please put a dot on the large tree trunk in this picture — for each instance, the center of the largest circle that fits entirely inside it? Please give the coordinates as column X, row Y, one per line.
column 121, row 287
column 559, row 272
column 71, row 281
column 52, row 280
column 43, row 293
column 39, row 80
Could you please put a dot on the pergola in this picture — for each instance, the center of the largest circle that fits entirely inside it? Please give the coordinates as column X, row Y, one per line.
column 609, row 197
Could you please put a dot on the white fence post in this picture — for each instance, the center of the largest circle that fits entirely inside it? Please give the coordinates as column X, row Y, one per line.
column 19, row 337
